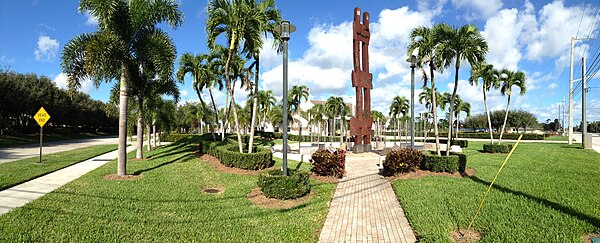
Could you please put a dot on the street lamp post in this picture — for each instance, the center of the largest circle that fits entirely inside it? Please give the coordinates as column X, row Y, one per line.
column 413, row 63
column 284, row 29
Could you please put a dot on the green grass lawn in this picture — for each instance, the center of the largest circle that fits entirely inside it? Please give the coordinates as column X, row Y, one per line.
column 16, row 172
column 557, row 138
column 545, row 193
column 165, row 205
column 7, row 140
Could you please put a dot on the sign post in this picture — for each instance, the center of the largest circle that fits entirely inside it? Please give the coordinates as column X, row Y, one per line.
column 41, row 117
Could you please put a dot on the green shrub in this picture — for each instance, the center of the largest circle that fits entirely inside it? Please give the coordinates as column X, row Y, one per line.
column 497, row 148
column 228, row 153
column 460, row 142
column 402, row 161
column 436, row 163
column 173, row 137
column 513, row 136
column 326, row 163
column 462, row 161
column 275, row 185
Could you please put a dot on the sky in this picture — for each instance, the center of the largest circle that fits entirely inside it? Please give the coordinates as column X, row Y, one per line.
column 529, row 36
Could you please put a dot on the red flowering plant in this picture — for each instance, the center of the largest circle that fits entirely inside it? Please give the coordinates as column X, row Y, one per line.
column 329, row 163
column 402, row 161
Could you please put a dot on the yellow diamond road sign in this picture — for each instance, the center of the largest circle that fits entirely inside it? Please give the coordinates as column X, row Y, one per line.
column 41, row 117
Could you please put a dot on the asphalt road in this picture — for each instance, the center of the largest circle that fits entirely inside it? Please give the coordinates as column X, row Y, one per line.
column 8, row 154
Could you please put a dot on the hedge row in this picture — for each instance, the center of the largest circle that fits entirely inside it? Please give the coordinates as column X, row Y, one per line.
column 497, row 148
column 228, row 153
column 460, row 142
column 456, row 162
column 274, row 185
column 512, row 136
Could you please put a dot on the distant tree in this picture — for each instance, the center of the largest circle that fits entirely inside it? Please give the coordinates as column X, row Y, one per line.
column 509, row 79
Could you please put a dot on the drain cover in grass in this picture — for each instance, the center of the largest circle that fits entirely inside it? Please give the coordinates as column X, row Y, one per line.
column 212, row 190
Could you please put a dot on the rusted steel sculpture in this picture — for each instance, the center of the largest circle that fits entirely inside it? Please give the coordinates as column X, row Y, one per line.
column 360, row 125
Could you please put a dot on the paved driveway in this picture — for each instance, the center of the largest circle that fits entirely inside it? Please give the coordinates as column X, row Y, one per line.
column 8, row 154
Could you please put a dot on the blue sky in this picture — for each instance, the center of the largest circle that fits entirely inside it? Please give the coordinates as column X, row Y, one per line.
column 531, row 36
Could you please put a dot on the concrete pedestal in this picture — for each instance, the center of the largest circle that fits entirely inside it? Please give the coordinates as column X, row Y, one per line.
column 362, row 148
column 587, row 144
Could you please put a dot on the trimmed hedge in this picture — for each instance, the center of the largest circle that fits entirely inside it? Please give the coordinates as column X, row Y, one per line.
column 512, row 136
column 227, row 153
column 275, row 185
column 497, row 148
column 402, row 161
column 460, row 142
column 456, row 162
column 326, row 163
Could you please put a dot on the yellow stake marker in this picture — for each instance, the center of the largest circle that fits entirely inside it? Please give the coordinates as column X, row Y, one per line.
column 491, row 184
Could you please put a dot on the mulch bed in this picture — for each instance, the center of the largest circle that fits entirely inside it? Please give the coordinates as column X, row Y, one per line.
column 424, row 173
column 257, row 197
column 464, row 236
column 588, row 238
column 116, row 177
column 215, row 163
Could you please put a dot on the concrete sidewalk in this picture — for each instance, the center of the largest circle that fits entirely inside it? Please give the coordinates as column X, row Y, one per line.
column 24, row 193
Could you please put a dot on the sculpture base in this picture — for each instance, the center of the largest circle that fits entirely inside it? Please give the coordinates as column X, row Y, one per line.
column 361, row 148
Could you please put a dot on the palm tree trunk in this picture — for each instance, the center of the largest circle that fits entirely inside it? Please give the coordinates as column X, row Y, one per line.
column 451, row 118
column 154, row 130
column 123, row 103
column 396, row 133
column 237, row 124
column 140, row 132
column 212, row 99
column 149, row 137
column 457, row 125
column 434, row 108
column 487, row 111
column 505, row 118
column 224, row 118
column 205, row 115
column 254, row 107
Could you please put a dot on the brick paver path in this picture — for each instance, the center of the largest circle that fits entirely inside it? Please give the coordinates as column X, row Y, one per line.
column 364, row 207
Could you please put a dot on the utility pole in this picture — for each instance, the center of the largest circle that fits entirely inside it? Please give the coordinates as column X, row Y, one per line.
column 563, row 116
column 573, row 39
column 571, row 94
column 583, row 105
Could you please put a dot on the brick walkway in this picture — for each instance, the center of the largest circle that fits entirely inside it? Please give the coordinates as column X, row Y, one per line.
column 364, row 207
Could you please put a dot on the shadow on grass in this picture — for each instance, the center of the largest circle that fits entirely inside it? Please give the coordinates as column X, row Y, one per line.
column 561, row 208
column 163, row 164
column 167, row 151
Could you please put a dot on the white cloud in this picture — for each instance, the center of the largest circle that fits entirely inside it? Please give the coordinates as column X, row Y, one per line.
column 551, row 38
column 46, row 48
column 183, row 92
column 502, row 32
column 326, row 66
column 90, row 20
column 6, row 59
column 61, row 81
column 478, row 8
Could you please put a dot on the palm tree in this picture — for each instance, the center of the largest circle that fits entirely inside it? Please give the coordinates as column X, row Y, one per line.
column 334, row 107
column 490, row 77
column 460, row 106
column 379, row 118
column 296, row 95
column 126, row 30
column 398, row 107
column 422, row 38
column 239, row 72
column 230, row 17
column 266, row 100
column 198, row 67
column 266, row 16
column 510, row 78
column 455, row 46
column 317, row 112
column 148, row 83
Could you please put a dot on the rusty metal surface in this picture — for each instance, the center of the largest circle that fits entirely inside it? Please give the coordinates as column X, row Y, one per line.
column 362, row 80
